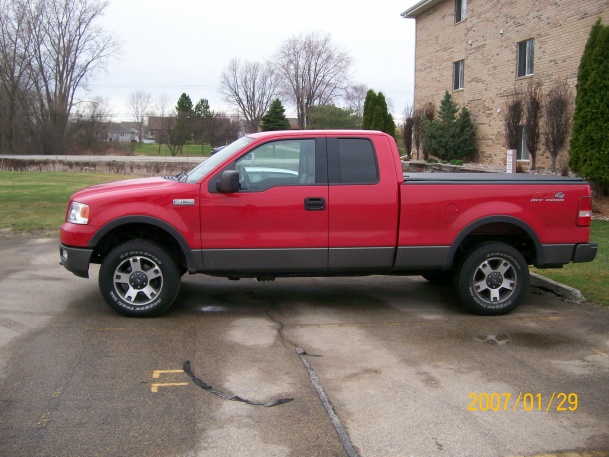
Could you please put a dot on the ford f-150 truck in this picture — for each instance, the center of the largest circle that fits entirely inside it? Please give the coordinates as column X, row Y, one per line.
column 324, row 203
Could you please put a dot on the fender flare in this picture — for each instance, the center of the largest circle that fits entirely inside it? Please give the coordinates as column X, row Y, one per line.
column 493, row 220
column 163, row 225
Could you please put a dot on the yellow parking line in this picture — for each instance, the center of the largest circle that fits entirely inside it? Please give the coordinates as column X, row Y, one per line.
column 157, row 373
column 155, row 387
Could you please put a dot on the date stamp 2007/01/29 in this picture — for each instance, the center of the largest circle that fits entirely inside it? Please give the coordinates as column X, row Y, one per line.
column 525, row 401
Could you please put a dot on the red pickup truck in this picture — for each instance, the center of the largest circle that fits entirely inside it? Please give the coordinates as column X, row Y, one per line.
column 324, row 203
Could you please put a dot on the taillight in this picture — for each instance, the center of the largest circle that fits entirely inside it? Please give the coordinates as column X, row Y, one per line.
column 584, row 212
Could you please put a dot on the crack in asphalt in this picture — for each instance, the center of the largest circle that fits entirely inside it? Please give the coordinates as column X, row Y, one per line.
column 343, row 436
column 203, row 385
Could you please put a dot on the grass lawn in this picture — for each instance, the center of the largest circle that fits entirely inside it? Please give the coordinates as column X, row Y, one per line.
column 153, row 150
column 591, row 278
column 33, row 201
column 37, row 201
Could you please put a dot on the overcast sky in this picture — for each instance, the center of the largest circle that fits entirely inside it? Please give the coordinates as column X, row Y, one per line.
column 175, row 46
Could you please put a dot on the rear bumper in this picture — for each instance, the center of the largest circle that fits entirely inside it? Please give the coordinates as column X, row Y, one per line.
column 75, row 260
column 585, row 252
column 556, row 255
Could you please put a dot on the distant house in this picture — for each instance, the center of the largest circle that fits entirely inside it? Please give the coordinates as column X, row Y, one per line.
column 158, row 128
column 479, row 50
column 120, row 133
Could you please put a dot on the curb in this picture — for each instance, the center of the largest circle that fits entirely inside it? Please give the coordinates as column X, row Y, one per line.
column 568, row 293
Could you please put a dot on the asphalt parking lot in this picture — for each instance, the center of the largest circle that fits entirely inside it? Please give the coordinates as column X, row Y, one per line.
column 404, row 370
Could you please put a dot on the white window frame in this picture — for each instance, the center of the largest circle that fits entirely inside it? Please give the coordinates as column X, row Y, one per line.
column 458, row 75
column 525, row 63
column 460, row 11
column 523, row 152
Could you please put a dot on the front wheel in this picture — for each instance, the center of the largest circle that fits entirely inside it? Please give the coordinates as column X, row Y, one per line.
column 139, row 278
column 493, row 279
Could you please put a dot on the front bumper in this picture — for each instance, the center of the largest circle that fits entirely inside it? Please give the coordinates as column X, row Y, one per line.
column 75, row 260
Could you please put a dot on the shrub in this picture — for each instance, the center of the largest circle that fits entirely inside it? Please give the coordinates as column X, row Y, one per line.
column 451, row 135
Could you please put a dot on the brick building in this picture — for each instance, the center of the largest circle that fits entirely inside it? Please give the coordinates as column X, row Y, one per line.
column 479, row 50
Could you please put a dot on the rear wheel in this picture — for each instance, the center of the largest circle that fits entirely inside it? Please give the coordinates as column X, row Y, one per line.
column 493, row 278
column 139, row 278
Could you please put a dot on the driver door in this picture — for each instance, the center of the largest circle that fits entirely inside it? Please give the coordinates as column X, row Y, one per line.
column 278, row 221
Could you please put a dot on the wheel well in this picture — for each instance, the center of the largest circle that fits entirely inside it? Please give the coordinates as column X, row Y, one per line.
column 134, row 230
column 505, row 232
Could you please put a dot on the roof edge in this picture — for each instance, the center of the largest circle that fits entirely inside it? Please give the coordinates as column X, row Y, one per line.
column 419, row 8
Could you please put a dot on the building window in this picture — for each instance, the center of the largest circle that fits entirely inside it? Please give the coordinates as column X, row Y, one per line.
column 458, row 74
column 526, row 53
column 460, row 10
column 523, row 151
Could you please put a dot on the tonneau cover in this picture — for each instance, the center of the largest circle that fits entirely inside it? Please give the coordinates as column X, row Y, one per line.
column 488, row 178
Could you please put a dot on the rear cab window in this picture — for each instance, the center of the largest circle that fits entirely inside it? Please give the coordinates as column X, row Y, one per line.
column 352, row 161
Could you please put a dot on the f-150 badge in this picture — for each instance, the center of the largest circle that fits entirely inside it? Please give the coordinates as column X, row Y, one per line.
column 183, row 202
column 546, row 197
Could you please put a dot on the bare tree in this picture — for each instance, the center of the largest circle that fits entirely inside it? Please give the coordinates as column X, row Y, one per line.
column 15, row 45
column 532, row 117
column 558, row 112
column 313, row 70
column 251, row 86
column 67, row 48
column 164, row 114
column 514, row 110
column 417, row 129
column 140, row 104
column 222, row 129
column 355, row 95
column 89, row 124
column 407, row 129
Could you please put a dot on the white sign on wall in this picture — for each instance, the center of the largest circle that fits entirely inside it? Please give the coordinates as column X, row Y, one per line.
column 511, row 160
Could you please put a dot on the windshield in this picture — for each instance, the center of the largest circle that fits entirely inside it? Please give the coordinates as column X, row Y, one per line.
column 201, row 170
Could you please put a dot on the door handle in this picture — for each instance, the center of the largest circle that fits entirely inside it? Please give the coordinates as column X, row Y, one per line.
column 314, row 204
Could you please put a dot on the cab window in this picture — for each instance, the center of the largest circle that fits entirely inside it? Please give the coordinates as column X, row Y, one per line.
column 277, row 163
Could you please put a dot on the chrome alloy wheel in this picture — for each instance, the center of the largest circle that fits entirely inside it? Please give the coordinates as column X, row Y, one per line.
column 138, row 280
column 495, row 280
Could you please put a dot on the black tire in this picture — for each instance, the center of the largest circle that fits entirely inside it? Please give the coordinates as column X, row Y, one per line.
column 139, row 278
column 492, row 279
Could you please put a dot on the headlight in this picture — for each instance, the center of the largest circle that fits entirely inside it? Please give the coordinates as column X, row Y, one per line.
column 78, row 213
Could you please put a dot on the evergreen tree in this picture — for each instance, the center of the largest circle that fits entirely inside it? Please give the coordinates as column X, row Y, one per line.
column 184, row 105
column 387, row 124
column 202, row 109
column 201, row 122
column 376, row 114
column 589, row 151
column 451, row 135
column 182, row 130
column 369, row 105
column 275, row 119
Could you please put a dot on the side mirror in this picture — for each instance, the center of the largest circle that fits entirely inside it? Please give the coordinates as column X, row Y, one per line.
column 229, row 182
